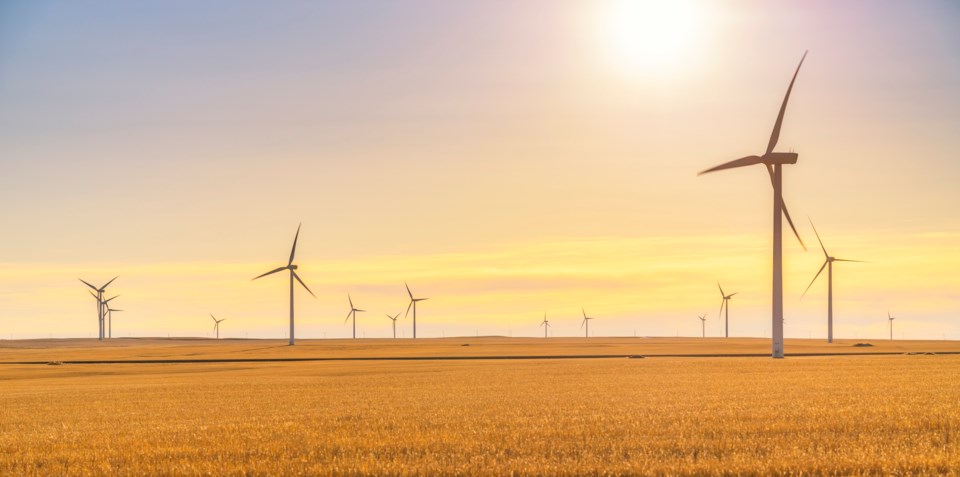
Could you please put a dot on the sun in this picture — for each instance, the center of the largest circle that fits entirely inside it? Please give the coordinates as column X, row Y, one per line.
column 650, row 35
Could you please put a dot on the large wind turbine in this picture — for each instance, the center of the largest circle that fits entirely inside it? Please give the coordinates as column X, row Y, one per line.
column 353, row 312
column 293, row 275
column 99, row 302
column 703, row 324
column 828, row 264
column 545, row 324
column 413, row 303
column 890, row 319
column 585, row 322
column 773, row 162
column 725, row 303
column 216, row 324
column 394, row 320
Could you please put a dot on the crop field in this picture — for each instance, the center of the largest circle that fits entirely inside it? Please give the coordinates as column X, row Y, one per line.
column 820, row 415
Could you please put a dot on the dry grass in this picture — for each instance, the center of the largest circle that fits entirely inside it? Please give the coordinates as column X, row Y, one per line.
column 677, row 416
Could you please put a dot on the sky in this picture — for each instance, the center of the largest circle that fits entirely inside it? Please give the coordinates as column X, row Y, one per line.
column 506, row 159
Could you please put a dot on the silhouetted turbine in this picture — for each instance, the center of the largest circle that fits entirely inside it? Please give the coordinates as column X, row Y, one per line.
column 773, row 161
column 828, row 264
column 394, row 320
column 353, row 312
column 725, row 303
column 413, row 303
column 99, row 297
column 545, row 324
column 703, row 324
column 106, row 310
column 585, row 322
column 216, row 324
column 293, row 275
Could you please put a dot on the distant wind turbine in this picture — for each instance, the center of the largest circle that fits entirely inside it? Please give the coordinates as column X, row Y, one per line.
column 100, row 292
column 725, row 303
column 890, row 319
column 413, row 303
column 394, row 320
column 828, row 264
column 106, row 310
column 293, row 275
column 585, row 322
column 353, row 312
column 545, row 324
column 216, row 324
column 110, row 319
column 703, row 324
column 773, row 162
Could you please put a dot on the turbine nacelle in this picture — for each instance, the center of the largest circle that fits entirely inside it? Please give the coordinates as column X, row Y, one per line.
column 780, row 158
column 292, row 267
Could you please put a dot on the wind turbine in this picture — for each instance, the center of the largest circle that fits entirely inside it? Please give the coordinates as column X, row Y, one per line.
column 586, row 321
column 828, row 264
column 106, row 309
column 545, row 324
column 413, row 303
column 99, row 302
column 216, row 324
column 773, row 162
column 110, row 320
column 353, row 311
column 703, row 324
column 890, row 319
column 293, row 275
column 726, row 317
column 394, row 320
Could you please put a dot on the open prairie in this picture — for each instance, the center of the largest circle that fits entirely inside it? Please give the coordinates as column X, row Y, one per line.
column 870, row 415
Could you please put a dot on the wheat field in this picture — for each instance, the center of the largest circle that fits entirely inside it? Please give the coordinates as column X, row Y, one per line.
column 836, row 415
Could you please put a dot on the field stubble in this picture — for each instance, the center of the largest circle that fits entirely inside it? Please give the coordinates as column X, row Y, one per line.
column 709, row 416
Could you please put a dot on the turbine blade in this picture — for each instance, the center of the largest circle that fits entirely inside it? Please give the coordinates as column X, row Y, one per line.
column 360, row 311
column 408, row 309
column 408, row 290
column 845, row 260
column 743, row 161
column 723, row 301
column 350, row 300
column 294, row 249
column 214, row 317
column 583, row 323
column 814, row 278
column 775, row 135
column 89, row 285
column 730, row 295
column 95, row 296
column 721, row 290
column 825, row 254
column 584, row 313
column 269, row 273
column 348, row 317
column 104, row 287
column 786, row 215
column 301, row 282
column 420, row 299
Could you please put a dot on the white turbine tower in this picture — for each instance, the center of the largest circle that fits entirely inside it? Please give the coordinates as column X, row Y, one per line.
column 545, row 324
column 99, row 297
column 773, row 162
column 585, row 323
column 293, row 275
column 353, row 312
column 725, row 303
column 703, row 324
column 413, row 303
column 216, row 324
column 828, row 264
column 890, row 319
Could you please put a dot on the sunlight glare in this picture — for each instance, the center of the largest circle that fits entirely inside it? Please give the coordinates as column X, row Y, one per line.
column 650, row 35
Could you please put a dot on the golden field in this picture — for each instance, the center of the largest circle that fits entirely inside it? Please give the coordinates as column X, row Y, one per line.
column 871, row 415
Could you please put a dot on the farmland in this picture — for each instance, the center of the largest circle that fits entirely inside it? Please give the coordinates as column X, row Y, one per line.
column 667, row 415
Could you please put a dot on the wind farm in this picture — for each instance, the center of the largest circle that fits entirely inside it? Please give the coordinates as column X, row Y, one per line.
column 466, row 168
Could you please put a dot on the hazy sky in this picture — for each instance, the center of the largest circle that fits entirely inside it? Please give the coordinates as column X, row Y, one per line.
column 505, row 158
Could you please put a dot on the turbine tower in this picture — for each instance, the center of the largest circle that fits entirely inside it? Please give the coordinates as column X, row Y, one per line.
column 293, row 275
column 725, row 303
column 545, row 324
column 413, row 303
column 585, row 322
column 108, row 315
column 216, row 324
column 353, row 312
column 828, row 264
column 773, row 162
column 99, row 297
column 394, row 320
column 703, row 324
column 890, row 319
column 110, row 320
